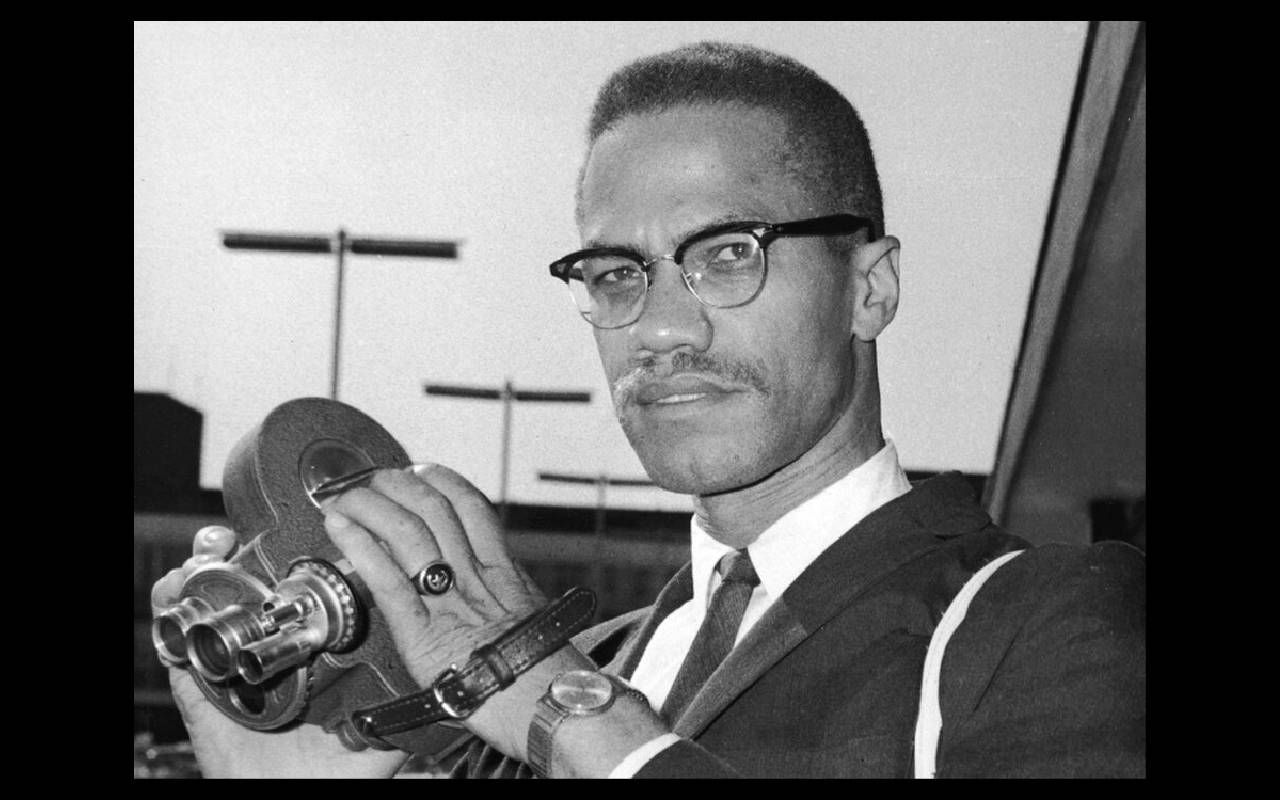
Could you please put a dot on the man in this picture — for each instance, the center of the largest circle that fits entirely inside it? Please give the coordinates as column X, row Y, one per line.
column 736, row 275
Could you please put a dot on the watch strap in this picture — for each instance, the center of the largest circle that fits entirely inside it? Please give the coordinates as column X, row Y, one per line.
column 542, row 729
column 547, row 717
column 457, row 692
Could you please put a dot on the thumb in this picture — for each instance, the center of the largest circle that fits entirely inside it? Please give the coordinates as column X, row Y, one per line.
column 215, row 540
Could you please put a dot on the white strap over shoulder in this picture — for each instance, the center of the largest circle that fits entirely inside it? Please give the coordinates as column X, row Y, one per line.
column 929, row 720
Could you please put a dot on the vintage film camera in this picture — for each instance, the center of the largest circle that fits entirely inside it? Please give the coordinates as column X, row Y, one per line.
column 285, row 632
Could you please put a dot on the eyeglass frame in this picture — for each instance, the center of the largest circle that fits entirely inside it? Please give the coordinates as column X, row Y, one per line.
column 763, row 232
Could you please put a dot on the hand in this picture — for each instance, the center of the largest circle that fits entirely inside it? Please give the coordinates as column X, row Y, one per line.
column 402, row 521
column 225, row 748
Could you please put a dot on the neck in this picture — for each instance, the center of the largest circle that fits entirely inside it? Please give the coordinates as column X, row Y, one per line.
column 737, row 518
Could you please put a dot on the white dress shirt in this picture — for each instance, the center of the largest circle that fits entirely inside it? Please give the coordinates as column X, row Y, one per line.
column 779, row 555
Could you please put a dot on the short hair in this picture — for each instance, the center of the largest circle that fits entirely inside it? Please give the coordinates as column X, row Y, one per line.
column 831, row 157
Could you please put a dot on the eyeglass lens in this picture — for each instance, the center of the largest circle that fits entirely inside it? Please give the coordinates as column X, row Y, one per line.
column 722, row 270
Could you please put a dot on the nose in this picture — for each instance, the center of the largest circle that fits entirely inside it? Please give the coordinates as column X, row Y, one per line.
column 672, row 318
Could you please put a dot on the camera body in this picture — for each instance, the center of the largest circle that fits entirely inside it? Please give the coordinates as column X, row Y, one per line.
column 285, row 632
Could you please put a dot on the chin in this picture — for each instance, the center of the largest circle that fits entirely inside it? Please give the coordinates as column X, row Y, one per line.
column 693, row 467
column 698, row 451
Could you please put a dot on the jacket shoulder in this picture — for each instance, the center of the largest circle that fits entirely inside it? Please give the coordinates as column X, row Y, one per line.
column 602, row 642
column 1046, row 676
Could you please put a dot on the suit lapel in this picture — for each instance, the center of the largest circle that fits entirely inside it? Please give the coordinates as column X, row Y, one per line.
column 776, row 634
column 888, row 538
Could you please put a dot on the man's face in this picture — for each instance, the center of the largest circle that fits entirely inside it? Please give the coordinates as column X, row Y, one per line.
column 714, row 399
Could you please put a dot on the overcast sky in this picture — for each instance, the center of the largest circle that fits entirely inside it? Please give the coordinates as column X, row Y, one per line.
column 474, row 132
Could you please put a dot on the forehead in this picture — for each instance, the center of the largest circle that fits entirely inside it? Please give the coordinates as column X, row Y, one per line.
column 687, row 166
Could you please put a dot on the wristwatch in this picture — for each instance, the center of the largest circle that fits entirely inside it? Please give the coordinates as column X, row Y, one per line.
column 577, row 693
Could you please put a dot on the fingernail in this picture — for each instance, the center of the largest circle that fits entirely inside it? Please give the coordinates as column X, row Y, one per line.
column 210, row 537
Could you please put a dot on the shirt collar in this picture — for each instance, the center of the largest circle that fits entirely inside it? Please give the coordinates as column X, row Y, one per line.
column 790, row 545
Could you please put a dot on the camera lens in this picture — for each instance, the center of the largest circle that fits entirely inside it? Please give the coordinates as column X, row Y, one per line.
column 169, row 629
column 250, row 666
column 168, row 634
column 209, row 652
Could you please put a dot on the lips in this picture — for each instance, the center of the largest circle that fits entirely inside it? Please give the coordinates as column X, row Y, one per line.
column 679, row 389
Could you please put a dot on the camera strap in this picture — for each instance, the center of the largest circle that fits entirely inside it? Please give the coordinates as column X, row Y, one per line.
column 929, row 719
column 457, row 692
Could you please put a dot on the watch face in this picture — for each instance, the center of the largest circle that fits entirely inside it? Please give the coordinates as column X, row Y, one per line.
column 582, row 691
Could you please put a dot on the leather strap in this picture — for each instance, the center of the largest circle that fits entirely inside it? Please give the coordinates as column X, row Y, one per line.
column 492, row 667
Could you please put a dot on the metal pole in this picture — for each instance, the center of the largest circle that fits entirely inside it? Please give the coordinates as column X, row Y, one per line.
column 337, row 316
column 602, row 484
column 601, row 481
column 318, row 243
column 561, row 477
column 597, row 546
column 508, row 396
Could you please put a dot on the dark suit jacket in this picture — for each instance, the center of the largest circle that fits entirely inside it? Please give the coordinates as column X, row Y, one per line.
column 1046, row 676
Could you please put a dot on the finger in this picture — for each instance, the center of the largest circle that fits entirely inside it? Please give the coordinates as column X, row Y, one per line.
column 214, row 539
column 484, row 530
column 413, row 543
column 195, row 562
column 166, row 591
column 407, row 537
column 433, row 508
column 473, row 509
column 401, row 606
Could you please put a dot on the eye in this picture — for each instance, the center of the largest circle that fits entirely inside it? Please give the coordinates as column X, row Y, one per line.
column 611, row 274
column 617, row 277
column 729, row 252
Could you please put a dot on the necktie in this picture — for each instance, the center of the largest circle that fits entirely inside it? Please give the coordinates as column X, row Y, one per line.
column 715, row 638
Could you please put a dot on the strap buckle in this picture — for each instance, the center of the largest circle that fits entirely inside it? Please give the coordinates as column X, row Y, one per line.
column 445, row 706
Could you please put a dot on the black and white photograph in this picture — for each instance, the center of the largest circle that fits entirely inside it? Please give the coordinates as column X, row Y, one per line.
column 654, row 399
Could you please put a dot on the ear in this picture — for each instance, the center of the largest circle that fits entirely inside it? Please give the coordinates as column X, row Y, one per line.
column 875, row 292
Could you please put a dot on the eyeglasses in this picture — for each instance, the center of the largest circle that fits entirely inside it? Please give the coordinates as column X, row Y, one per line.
column 723, row 266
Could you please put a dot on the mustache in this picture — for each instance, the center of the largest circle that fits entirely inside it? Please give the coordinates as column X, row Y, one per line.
column 731, row 370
